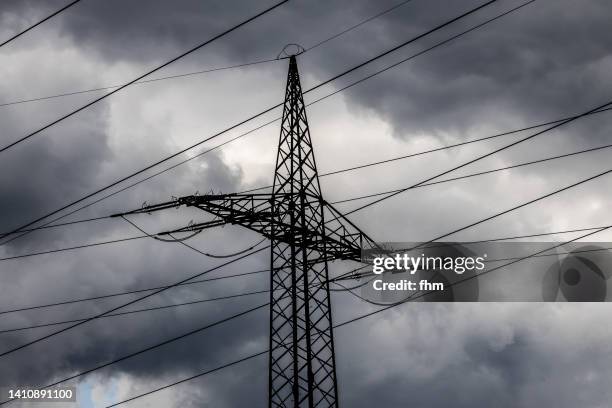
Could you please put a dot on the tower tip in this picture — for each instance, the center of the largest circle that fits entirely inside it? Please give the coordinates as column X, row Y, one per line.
column 291, row 51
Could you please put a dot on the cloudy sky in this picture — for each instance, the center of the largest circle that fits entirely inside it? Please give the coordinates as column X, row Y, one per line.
column 548, row 60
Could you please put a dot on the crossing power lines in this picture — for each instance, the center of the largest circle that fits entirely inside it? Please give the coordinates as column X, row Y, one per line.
column 270, row 109
column 113, row 311
column 341, row 201
column 209, row 70
column 140, row 77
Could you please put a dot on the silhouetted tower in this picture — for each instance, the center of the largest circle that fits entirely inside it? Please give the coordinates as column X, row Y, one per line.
column 305, row 233
column 301, row 336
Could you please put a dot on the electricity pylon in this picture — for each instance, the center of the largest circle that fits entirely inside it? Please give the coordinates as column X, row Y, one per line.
column 305, row 233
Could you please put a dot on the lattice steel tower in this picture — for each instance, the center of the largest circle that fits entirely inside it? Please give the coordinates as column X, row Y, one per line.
column 305, row 233
column 301, row 336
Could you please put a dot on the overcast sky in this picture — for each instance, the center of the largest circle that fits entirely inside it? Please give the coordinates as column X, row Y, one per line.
column 546, row 61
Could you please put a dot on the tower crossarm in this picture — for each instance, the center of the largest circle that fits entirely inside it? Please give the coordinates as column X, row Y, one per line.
column 252, row 211
column 341, row 238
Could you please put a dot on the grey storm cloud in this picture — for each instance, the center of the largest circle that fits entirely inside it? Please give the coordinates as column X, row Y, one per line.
column 539, row 63
column 548, row 60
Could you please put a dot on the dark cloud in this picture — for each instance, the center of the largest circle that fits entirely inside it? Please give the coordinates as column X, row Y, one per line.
column 548, row 60
column 42, row 174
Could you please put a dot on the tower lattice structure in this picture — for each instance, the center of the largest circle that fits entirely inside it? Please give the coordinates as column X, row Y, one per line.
column 305, row 234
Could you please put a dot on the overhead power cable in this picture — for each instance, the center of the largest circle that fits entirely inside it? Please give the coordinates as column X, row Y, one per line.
column 266, row 111
column 471, row 277
column 153, row 347
column 33, row 26
column 251, row 356
column 148, row 309
column 71, row 301
column 346, row 322
column 384, row 161
column 141, row 82
column 370, row 164
column 334, row 202
column 480, row 173
column 129, row 292
column 458, row 282
column 131, row 302
column 371, row 274
column 541, row 132
column 334, row 280
column 206, row 71
column 367, row 20
column 431, row 241
column 53, row 251
column 219, row 256
column 515, row 208
column 159, row 67
column 23, row 232
column 167, row 158
column 445, row 147
column 114, row 241
column 193, row 377
column 63, row 224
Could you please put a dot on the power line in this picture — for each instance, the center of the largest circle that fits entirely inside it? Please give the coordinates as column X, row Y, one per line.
column 599, row 229
column 99, row 297
column 212, row 370
column 376, row 163
column 516, row 207
column 62, row 224
column 114, row 309
column 251, row 356
column 226, row 365
column 437, row 149
column 486, row 219
column 243, row 122
column 130, row 292
column 194, row 73
column 181, row 241
column 224, row 131
column 600, row 107
column 205, row 71
column 197, row 47
column 157, row 345
column 474, row 276
column 53, row 251
column 346, row 322
column 480, row 173
column 144, row 81
column 71, row 301
column 582, row 251
column 382, row 13
column 50, row 16
column 513, row 209
column 334, row 172
column 148, row 309
column 367, row 274
column 335, row 202
column 49, row 225
column 596, row 109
